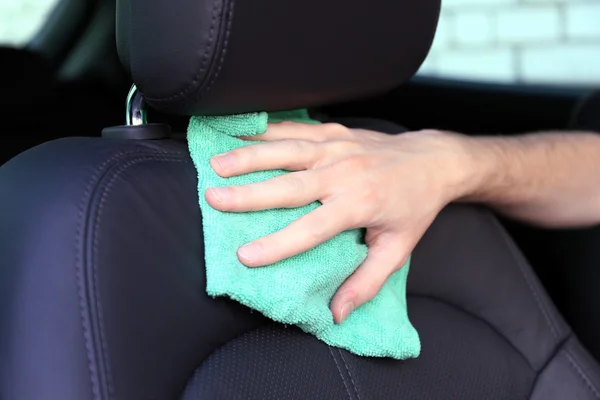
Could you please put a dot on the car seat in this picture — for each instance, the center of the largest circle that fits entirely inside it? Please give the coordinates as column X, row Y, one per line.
column 102, row 268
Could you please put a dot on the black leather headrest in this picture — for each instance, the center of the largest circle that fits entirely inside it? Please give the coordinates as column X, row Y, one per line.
column 199, row 57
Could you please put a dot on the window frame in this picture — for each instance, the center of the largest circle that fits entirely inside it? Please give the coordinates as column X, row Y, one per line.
column 62, row 29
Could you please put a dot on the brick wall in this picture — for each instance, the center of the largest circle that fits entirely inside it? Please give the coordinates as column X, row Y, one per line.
column 534, row 41
column 21, row 19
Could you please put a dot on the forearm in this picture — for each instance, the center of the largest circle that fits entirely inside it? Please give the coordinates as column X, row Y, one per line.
column 550, row 179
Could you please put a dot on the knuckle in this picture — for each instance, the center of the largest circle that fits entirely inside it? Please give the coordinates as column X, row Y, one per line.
column 358, row 217
column 369, row 202
column 298, row 154
column 404, row 253
column 403, row 260
column 371, row 289
column 334, row 129
column 294, row 183
column 356, row 163
column 287, row 123
column 319, row 230
column 342, row 146
column 371, row 194
column 240, row 155
column 300, row 146
column 231, row 201
column 248, row 154
column 365, row 215
column 399, row 252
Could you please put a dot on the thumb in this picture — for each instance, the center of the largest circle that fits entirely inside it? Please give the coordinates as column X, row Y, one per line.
column 385, row 257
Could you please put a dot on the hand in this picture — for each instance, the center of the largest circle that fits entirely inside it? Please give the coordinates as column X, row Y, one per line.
column 392, row 185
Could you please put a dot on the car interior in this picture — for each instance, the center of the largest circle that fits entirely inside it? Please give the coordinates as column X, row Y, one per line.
column 102, row 250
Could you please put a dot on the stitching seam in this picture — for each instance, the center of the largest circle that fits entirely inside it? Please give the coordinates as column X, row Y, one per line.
column 225, row 46
column 83, row 290
column 105, row 191
column 482, row 319
column 79, row 274
column 340, row 372
column 511, row 246
column 349, row 374
column 205, row 57
column 582, row 375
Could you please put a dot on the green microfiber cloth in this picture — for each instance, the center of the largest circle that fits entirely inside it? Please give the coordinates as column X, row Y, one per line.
column 298, row 290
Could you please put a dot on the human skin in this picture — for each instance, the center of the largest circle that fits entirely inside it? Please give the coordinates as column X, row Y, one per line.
column 395, row 185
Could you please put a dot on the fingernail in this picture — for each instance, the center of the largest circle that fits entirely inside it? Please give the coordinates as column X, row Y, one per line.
column 221, row 194
column 249, row 252
column 225, row 161
column 347, row 308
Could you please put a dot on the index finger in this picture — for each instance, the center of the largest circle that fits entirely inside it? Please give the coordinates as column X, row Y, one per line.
column 302, row 131
column 303, row 234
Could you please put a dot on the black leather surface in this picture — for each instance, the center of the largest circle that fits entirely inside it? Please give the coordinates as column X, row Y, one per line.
column 101, row 278
column 463, row 358
column 226, row 56
column 470, row 263
column 101, row 289
column 571, row 374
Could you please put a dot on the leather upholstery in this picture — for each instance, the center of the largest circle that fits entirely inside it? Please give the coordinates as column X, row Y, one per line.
column 101, row 297
column 198, row 57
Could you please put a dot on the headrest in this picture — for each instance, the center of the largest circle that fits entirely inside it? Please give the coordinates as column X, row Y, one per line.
column 212, row 57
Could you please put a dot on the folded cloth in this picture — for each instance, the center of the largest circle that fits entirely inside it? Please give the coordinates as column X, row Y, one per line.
column 297, row 290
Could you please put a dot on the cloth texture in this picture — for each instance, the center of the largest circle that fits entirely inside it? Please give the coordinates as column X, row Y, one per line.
column 298, row 290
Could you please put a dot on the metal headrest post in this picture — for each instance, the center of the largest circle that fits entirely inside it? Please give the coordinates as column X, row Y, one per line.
column 136, row 108
column 136, row 123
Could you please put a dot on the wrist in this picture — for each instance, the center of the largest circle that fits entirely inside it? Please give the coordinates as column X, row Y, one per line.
column 485, row 167
column 473, row 166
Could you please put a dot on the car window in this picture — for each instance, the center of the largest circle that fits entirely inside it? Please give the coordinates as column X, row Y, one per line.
column 518, row 41
column 20, row 20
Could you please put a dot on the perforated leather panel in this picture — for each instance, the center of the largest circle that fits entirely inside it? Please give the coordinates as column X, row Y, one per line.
column 463, row 358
